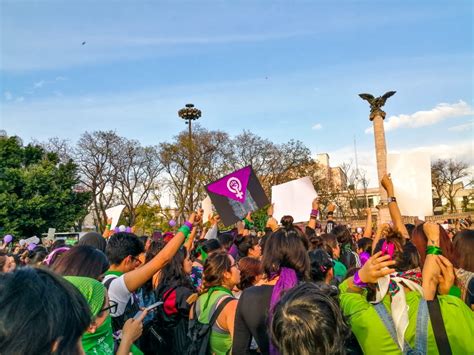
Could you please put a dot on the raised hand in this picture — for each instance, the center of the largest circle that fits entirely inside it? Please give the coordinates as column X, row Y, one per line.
column 315, row 204
column 249, row 217
column 387, row 184
column 331, row 207
column 270, row 210
column 446, row 278
column 272, row 224
column 377, row 266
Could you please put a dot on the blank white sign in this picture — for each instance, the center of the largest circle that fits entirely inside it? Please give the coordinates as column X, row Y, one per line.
column 293, row 198
column 411, row 176
column 114, row 213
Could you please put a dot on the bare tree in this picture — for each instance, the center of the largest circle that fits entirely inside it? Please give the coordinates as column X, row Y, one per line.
column 94, row 155
column 61, row 147
column 274, row 164
column 211, row 157
column 446, row 178
column 137, row 169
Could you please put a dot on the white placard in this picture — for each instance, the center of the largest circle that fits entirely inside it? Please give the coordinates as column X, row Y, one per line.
column 206, row 205
column 114, row 213
column 293, row 198
column 51, row 232
column 411, row 176
column 32, row 240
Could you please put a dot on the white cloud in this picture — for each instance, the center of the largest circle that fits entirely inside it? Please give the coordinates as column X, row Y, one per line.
column 462, row 127
column 439, row 113
column 317, row 126
column 8, row 95
column 39, row 84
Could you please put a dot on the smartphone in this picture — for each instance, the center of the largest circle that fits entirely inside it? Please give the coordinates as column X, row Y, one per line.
column 150, row 308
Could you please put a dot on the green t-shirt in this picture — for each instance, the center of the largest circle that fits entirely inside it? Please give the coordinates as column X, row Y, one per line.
column 374, row 338
column 220, row 341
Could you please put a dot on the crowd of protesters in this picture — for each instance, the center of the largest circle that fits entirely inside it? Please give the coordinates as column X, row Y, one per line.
column 312, row 288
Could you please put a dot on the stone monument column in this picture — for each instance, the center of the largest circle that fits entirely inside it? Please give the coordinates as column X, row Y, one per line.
column 377, row 115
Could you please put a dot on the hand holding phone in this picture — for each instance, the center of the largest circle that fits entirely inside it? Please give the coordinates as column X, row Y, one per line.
column 148, row 309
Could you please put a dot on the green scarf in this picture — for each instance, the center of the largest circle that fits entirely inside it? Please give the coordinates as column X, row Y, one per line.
column 101, row 341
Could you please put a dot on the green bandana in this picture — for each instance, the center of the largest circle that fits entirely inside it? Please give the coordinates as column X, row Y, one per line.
column 92, row 290
column 203, row 253
column 101, row 341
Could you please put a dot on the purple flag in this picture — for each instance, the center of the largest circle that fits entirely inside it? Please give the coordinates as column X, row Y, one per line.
column 233, row 186
column 237, row 194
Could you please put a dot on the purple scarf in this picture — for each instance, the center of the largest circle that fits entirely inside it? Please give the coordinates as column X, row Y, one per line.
column 364, row 256
column 287, row 280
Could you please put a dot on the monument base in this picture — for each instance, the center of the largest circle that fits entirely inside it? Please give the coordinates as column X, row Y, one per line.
column 383, row 214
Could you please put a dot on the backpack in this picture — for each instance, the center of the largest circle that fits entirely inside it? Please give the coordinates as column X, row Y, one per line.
column 156, row 332
column 130, row 309
column 199, row 333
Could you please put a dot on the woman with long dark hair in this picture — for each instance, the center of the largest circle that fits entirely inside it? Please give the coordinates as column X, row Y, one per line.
column 174, row 288
column 285, row 263
column 82, row 260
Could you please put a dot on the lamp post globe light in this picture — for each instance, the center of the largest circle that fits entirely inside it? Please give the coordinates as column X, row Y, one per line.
column 190, row 113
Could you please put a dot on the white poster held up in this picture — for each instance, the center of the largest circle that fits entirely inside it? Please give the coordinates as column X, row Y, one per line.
column 114, row 213
column 293, row 198
column 206, row 205
column 411, row 176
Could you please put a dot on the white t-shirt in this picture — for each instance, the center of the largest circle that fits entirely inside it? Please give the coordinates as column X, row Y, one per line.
column 118, row 293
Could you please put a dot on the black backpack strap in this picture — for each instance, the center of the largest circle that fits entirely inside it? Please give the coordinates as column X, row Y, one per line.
column 219, row 310
column 109, row 281
column 439, row 329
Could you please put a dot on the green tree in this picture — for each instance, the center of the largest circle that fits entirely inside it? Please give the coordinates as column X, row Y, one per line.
column 36, row 190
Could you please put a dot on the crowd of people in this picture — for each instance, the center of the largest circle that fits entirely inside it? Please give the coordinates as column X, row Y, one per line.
column 312, row 288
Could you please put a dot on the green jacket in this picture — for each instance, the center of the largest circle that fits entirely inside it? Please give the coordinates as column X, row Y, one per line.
column 374, row 338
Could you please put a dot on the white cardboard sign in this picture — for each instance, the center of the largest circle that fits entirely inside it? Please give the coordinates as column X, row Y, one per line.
column 293, row 198
column 411, row 176
column 206, row 205
column 114, row 213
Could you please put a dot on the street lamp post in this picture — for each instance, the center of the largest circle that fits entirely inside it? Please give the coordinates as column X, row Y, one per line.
column 189, row 114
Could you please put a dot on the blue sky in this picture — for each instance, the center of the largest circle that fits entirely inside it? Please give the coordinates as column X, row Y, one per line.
column 283, row 69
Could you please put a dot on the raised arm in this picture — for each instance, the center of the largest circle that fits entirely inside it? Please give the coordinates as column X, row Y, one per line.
column 271, row 222
column 314, row 213
column 395, row 214
column 138, row 277
column 381, row 230
column 368, row 223
column 188, row 244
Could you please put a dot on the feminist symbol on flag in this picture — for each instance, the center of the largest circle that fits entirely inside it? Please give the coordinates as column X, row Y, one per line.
column 235, row 186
